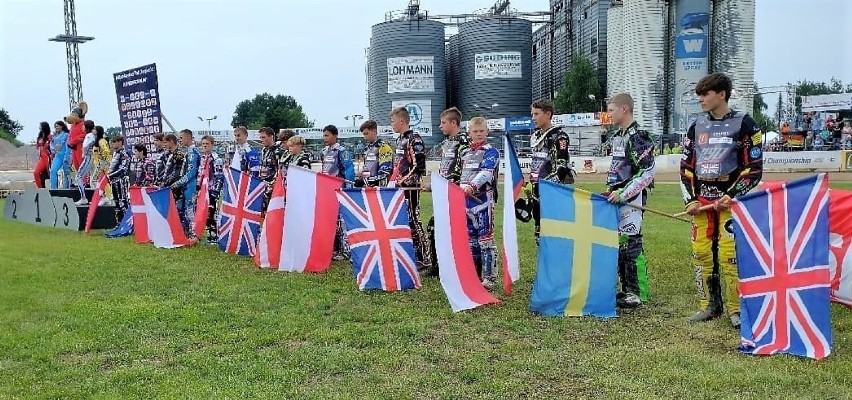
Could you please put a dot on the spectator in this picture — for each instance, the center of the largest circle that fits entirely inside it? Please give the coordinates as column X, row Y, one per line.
column 806, row 123
column 817, row 123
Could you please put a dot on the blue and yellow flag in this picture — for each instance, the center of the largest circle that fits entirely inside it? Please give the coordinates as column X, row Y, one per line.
column 578, row 255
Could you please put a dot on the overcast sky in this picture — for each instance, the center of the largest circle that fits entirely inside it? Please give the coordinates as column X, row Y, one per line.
column 212, row 54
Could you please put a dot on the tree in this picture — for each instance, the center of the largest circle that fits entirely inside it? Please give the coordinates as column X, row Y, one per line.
column 265, row 110
column 113, row 131
column 9, row 138
column 808, row 88
column 581, row 80
column 8, row 125
column 764, row 121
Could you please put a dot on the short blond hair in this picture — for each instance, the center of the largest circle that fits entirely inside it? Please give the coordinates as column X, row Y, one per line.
column 401, row 112
column 622, row 100
column 452, row 114
column 478, row 121
column 296, row 140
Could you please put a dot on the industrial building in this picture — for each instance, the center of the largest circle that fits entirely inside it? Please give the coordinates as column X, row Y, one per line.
column 494, row 62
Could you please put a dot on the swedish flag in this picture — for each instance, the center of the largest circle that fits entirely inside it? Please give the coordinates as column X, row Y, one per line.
column 578, row 255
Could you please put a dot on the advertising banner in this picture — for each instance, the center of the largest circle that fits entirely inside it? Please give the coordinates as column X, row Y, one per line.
column 501, row 65
column 411, row 74
column 691, row 51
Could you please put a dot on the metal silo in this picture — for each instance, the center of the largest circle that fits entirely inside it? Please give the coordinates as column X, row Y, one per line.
column 495, row 67
column 644, row 41
column 452, row 71
column 407, row 68
column 615, row 49
column 733, row 48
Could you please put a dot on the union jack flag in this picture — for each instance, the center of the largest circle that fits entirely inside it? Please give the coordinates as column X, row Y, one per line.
column 239, row 219
column 781, row 237
column 376, row 223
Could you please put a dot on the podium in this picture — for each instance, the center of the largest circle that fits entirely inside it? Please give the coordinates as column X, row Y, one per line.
column 56, row 208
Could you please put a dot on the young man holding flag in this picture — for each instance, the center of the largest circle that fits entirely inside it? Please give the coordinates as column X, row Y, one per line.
column 478, row 179
column 409, row 167
column 184, row 188
column 455, row 142
column 722, row 159
column 551, row 159
column 269, row 158
column 212, row 167
column 378, row 158
column 630, row 173
column 337, row 161
column 119, row 167
column 245, row 158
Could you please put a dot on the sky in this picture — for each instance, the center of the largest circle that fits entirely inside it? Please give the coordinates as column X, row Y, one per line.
column 212, row 54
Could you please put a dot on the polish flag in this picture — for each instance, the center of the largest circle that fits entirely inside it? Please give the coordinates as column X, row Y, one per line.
column 202, row 210
column 458, row 274
column 155, row 218
column 310, row 220
column 513, row 181
column 271, row 240
column 96, row 198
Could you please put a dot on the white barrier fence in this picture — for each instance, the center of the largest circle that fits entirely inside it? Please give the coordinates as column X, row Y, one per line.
column 799, row 161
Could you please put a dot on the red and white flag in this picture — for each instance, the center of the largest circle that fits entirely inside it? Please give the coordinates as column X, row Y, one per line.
column 513, row 181
column 458, row 274
column 202, row 210
column 96, row 198
column 840, row 261
column 310, row 220
column 155, row 218
column 840, row 229
column 271, row 240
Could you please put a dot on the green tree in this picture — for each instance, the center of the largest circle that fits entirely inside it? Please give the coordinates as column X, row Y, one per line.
column 113, row 131
column 581, row 80
column 9, row 138
column 766, row 122
column 8, row 125
column 265, row 110
column 808, row 88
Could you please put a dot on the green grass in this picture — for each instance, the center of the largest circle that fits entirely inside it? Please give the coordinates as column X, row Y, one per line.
column 87, row 317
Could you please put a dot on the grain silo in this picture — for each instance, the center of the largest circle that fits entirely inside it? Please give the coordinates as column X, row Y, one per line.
column 495, row 67
column 644, row 52
column 733, row 48
column 452, row 70
column 407, row 68
column 615, row 49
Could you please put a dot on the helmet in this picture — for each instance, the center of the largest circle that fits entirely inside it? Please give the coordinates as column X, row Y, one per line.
column 523, row 210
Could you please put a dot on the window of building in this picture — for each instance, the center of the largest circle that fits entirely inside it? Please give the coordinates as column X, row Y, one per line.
column 593, row 49
column 535, row 52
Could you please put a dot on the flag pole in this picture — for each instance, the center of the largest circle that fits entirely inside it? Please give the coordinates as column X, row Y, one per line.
column 638, row 207
column 702, row 208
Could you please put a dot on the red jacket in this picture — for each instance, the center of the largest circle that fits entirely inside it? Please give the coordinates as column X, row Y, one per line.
column 75, row 142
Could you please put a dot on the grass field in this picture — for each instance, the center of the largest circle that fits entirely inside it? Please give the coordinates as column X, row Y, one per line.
column 87, row 317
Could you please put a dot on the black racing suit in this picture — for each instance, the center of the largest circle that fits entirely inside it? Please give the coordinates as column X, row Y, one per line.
column 409, row 168
column 551, row 161
column 118, row 179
